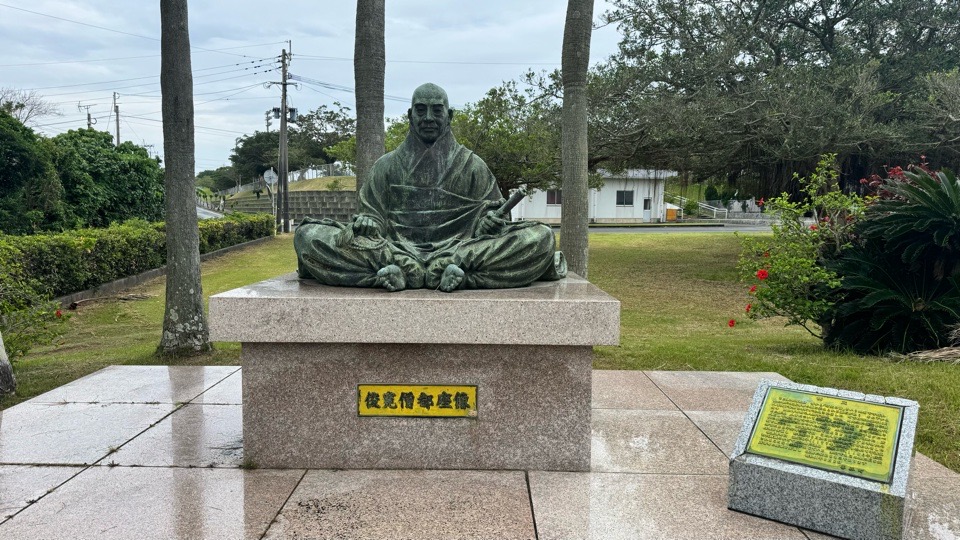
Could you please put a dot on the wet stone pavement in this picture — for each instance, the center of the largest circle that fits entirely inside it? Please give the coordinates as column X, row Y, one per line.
column 156, row 452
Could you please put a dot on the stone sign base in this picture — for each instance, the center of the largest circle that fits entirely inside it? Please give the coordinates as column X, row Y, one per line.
column 838, row 504
column 306, row 348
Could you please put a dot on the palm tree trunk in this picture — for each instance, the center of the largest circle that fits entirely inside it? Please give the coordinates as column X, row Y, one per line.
column 575, row 205
column 369, row 65
column 184, row 323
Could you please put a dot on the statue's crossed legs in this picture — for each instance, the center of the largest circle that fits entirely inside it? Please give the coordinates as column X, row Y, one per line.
column 329, row 253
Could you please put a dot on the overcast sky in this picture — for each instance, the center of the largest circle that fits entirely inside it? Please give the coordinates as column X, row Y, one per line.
column 465, row 46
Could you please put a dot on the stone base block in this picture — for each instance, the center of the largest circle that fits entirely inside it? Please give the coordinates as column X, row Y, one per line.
column 816, row 498
column 301, row 410
column 827, row 502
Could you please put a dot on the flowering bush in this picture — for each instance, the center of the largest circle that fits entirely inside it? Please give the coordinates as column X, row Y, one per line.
column 788, row 274
column 872, row 275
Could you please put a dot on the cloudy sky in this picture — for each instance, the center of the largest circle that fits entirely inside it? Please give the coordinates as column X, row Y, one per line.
column 79, row 52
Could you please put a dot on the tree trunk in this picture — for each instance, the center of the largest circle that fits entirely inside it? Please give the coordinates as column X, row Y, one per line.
column 369, row 65
column 184, row 323
column 7, row 382
column 575, row 204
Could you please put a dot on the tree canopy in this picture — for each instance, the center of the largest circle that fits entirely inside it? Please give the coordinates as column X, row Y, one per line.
column 76, row 179
column 754, row 89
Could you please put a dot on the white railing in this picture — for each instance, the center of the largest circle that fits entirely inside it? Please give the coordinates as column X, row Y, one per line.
column 705, row 209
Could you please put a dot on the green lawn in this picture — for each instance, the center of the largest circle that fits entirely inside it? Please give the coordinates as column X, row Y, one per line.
column 677, row 291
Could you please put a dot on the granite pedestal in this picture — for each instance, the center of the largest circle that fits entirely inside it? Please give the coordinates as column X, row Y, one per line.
column 306, row 348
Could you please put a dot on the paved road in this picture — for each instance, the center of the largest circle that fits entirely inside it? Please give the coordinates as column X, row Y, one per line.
column 203, row 213
column 730, row 228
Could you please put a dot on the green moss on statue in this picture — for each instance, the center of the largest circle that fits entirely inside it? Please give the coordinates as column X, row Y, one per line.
column 428, row 218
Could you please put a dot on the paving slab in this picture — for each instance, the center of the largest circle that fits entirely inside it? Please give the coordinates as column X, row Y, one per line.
column 72, row 433
column 20, row 485
column 229, row 391
column 604, row 506
column 625, row 389
column 123, row 503
column 668, row 479
column 193, row 436
column 138, row 384
column 710, row 390
column 407, row 504
column 721, row 427
column 662, row 442
column 933, row 509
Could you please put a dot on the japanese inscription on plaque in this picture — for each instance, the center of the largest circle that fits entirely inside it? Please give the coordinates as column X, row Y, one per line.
column 422, row 401
column 837, row 434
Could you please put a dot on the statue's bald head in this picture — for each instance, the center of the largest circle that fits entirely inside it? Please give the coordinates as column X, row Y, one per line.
column 429, row 113
column 427, row 91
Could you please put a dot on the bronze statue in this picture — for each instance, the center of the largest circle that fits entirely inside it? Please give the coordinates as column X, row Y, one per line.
column 430, row 215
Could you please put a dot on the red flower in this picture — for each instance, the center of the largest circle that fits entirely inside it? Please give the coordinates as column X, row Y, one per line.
column 753, row 289
column 58, row 314
column 762, row 274
column 766, row 253
column 748, row 307
column 731, row 323
column 813, row 227
column 760, row 202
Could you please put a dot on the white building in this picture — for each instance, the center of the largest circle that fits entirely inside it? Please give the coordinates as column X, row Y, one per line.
column 632, row 196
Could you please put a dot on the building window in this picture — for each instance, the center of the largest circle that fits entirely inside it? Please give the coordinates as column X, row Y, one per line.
column 646, row 204
column 554, row 197
column 625, row 198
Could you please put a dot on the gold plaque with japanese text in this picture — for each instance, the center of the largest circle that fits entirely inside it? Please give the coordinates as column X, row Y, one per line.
column 837, row 434
column 423, row 401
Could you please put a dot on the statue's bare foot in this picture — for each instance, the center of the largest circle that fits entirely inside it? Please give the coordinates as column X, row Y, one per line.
column 451, row 279
column 391, row 278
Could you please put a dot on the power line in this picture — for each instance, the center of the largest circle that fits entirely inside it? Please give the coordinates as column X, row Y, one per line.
column 340, row 87
column 344, row 59
column 130, row 57
column 104, row 28
column 262, row 61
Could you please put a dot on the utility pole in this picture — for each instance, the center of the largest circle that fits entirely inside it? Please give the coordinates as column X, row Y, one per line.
column 284, row 158
column 283, row 202
column 116, row 110
column 90, row 120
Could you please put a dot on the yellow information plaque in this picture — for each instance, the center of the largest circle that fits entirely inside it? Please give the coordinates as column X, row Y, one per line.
column 424, row 401
column 827, row 432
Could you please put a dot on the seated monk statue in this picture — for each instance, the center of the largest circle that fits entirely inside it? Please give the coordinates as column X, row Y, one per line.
column 428, row 218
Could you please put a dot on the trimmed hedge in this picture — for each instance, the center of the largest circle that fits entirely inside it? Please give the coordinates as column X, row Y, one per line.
column 72, row 261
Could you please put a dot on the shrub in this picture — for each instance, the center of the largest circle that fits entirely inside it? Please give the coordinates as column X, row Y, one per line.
column 799, row 285
column 36, row 268
column 27, row 317
column 901, row 280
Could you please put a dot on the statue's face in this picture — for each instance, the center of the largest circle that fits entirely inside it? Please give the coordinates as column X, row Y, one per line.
column 429, row 116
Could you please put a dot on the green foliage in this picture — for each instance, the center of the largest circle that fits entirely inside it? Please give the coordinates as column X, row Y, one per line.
column 36, row 268
column 900, row 280
column 788, row 271
column 335, row 185
column 877, row 276
column 515, row 132
column 318, row 137
column 889, row 306
column 218, row 179
column 731, row 89
column 76, row 179
column 27, row 317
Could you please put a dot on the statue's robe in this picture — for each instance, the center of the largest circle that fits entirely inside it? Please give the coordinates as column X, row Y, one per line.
column 427, row 202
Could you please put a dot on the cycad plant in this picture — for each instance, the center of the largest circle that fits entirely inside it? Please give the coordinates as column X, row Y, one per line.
column 901, row 281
